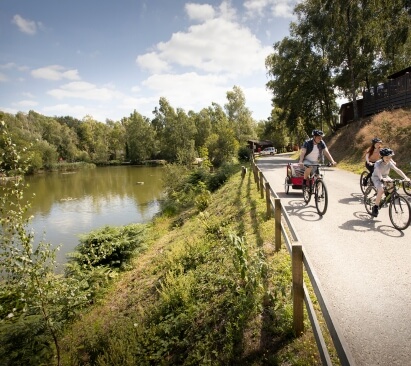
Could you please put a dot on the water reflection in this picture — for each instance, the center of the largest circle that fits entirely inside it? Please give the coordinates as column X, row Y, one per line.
column 66, row 205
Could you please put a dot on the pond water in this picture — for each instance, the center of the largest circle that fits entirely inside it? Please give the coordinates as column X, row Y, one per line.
column 66, row 205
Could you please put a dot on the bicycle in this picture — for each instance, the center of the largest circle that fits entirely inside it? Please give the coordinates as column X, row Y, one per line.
column 398, row 206
column 369, row 181
column 317, row 187
column 406, row 185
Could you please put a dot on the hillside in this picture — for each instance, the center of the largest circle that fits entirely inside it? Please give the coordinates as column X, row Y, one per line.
column 209, row 290
column 348, row 145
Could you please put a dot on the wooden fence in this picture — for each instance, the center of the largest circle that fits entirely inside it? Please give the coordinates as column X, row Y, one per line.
column 284, row 229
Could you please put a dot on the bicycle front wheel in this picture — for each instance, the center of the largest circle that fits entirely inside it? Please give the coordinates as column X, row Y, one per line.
column 369, row 198
column 362, row 177
column 400, row 213
column 321, row 197
column 307, row 194
column 407, row 187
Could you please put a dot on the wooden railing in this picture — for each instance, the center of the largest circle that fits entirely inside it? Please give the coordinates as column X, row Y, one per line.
column 300, row 261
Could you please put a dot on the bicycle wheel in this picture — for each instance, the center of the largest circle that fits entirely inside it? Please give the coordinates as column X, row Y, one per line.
column 363, row 175
column 287, row 184
column 407, row 186
column 369, row 198
column 307, row 194
column 400, row 213
column 321, row 197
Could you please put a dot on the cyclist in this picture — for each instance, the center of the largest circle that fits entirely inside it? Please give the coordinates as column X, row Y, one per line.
column 371, row 156
column 382, row 168
column 312, row 152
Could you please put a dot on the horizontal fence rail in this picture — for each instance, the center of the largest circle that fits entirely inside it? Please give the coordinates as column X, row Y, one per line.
column 285, row 230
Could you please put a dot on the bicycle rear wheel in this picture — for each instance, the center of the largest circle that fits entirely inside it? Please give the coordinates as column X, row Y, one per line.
column 400, row 213
column 407, row 186
column 321, row 197
column 369, row 198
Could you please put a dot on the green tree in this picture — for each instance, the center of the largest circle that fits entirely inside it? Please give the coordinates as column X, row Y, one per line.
column 140, row 138
column 301, row 85
column 32, row 298
column 176, row 133
column 239, row 116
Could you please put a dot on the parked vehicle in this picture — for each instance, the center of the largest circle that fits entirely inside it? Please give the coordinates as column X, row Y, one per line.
column 269, row 151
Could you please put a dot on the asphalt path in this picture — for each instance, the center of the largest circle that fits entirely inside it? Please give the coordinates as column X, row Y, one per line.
column 363, row 264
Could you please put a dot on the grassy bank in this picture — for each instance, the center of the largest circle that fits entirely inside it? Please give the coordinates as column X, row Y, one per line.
column 209, row 290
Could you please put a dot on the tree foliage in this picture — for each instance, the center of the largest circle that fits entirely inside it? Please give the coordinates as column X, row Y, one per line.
column 336, row 46
column 172, row 134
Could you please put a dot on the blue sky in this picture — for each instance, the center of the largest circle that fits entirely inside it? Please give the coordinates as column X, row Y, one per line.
column 106, row 58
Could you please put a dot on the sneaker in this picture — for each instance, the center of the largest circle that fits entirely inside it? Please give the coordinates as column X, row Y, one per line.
column 374, row 211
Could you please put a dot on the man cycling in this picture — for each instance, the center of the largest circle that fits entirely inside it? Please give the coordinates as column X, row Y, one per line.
column 312, row 152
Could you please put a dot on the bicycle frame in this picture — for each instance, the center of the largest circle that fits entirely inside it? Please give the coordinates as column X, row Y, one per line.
column 399, row 207
column 317, row 187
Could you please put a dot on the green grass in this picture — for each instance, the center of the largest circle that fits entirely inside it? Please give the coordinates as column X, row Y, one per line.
column 211, row 291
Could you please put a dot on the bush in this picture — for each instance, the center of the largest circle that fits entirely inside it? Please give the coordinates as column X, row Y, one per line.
column 244, row 153
column 217, row 179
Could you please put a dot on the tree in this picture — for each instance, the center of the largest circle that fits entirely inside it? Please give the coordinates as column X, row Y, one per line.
column 239, row 116
column 176, row 133
column 32, row 297
column 140, row 138
column 301, row 84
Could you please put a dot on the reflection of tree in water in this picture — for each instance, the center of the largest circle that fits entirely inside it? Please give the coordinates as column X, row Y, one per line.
column 106, row 184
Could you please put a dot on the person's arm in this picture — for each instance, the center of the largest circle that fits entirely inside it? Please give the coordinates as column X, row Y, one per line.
column 328, row 156
column 399, row 171
column 302, row 154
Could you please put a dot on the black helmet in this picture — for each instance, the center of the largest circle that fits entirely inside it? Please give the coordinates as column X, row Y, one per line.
column 317, row 133
column 375, row 140
column 386, row 152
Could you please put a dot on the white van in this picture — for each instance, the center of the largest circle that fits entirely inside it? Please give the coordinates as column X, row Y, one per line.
column 269, row 151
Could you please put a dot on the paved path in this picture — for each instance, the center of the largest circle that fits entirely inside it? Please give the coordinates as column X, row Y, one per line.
column 363, row 264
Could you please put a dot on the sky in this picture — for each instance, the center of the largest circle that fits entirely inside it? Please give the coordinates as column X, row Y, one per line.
column 107, row 59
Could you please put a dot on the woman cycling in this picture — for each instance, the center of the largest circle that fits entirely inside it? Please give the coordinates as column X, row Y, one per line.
column 382, row 168
column 371, row 156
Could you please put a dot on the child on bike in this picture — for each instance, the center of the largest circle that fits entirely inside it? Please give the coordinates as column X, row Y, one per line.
column 371, row 156
column 312, row 152
column 382, row 168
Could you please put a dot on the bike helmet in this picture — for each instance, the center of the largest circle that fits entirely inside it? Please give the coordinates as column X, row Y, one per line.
column 375, row 140
column 386, row 152
column 317, row 133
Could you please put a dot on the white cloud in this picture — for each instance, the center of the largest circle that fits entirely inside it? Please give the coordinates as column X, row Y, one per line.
column 217, row 45
column 3, row 77
column 84, row 90
column 26, row 103
column 55, row 72
column 153, row 63
column 277, row 8
column 28, row 95
column 199, row 12
column 25, row 25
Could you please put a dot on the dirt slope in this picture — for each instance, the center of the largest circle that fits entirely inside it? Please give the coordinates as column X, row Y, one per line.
column 348, row 145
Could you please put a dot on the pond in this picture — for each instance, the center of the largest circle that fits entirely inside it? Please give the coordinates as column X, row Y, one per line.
column 66, row 205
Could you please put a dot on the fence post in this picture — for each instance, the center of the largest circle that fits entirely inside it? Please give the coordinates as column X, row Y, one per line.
column 261, row 184
column 255, row 171
column 243, row 171
column 277, row 223
column 268, row 199
column 298, row 290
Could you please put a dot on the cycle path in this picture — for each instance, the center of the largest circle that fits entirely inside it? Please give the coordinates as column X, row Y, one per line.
column 363, row 264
